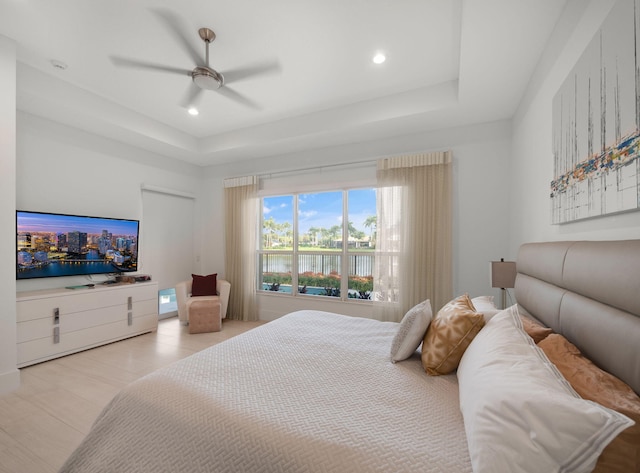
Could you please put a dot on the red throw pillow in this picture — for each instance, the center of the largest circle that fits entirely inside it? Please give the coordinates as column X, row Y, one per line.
column 204, row 285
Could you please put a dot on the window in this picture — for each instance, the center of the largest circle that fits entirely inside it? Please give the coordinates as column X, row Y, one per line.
column 167, row 303
column 303, row 244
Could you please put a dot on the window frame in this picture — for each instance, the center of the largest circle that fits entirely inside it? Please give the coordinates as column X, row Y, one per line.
column 344, row 254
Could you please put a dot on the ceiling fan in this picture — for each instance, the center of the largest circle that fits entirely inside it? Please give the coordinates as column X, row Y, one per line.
column 203, row 76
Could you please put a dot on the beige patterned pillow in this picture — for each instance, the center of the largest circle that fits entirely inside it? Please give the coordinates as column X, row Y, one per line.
column 449, row 335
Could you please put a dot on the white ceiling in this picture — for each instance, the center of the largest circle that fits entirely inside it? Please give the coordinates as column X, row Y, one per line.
column 449, row 62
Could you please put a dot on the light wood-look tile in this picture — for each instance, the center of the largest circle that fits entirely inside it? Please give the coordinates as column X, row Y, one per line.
column 45, row 419
column 16, row 458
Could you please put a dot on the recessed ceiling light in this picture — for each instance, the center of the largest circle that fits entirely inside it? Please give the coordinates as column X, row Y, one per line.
column 379, row 58
column 193, row 111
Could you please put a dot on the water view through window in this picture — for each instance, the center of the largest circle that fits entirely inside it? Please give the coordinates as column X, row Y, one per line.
column 308, row 245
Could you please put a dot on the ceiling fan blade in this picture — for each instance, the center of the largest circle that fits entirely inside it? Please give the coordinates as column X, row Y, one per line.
column 241, row 73
column 192, row 96
column 237, row 97
column 136, row 64
column 177, row 30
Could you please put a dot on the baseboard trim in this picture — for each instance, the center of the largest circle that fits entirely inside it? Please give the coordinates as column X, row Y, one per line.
column 9, row 381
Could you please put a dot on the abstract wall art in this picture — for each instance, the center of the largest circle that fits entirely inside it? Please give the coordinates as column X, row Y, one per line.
column 596, row 124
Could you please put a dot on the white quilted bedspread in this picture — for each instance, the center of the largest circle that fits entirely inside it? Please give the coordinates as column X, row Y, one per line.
column 310, row 392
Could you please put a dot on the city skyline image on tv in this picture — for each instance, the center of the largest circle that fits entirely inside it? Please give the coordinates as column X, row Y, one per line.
column 50, row 245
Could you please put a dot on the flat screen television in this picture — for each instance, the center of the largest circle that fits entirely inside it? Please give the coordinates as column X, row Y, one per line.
column 50, row 245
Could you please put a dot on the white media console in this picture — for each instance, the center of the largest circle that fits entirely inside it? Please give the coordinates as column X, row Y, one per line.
column 57, row 322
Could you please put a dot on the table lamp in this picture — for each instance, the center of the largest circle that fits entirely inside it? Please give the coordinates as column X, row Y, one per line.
column 503, row 275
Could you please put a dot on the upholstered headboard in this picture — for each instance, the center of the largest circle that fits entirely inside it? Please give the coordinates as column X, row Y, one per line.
column 589, row 291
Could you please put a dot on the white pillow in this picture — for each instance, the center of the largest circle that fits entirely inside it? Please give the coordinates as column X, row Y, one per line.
column 519, row 413
column 412, row 328
column 486, row 306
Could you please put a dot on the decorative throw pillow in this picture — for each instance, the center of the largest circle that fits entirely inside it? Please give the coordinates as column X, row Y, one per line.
column 204, row 285
column 449, row 335
column 623, row 453
column 411, row 331
column 534, row 329
column 486, row 306
column 520, row 414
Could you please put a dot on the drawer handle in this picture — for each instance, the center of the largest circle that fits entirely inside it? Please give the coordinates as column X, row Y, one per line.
column 130, row 303
column 56, row 334
column 56, row 316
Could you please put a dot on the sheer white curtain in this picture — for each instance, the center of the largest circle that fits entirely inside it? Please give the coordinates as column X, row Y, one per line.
column 241, row 217
column 413, row 254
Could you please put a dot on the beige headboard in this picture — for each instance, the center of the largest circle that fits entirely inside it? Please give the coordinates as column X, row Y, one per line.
column 589, row 291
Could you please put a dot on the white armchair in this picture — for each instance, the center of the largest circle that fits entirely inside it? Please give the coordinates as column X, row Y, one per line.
column 184, row 299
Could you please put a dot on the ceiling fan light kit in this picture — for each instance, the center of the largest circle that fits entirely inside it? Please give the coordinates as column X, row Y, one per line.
column 207, row 78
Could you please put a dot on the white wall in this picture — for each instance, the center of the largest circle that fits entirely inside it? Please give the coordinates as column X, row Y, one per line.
column 65, row 170
column 45, row 166
column 481, row 203
column 532, row 159
column 502, row 172
column 9, row 375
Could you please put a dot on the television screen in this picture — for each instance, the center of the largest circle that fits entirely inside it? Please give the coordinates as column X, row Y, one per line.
column 50, row 245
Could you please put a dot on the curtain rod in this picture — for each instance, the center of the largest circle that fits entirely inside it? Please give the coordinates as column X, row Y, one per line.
column 316, row 168
column 167, row 191
column 421, row 158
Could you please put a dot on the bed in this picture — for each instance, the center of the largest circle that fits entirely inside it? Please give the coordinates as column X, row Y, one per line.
column 316, row 391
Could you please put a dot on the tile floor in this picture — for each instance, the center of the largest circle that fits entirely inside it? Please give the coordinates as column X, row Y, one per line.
column 46, row 418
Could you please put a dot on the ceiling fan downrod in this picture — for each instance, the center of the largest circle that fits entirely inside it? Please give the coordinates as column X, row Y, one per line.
column 205, row 77
column 207, row 36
